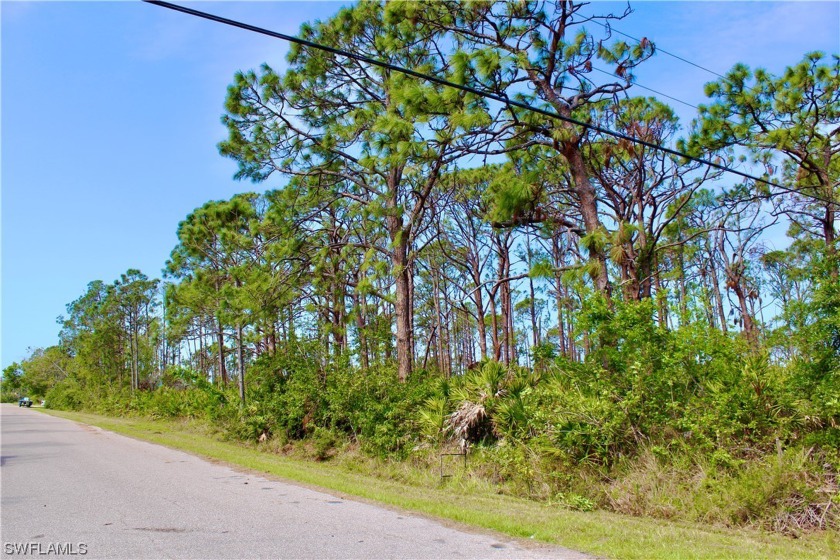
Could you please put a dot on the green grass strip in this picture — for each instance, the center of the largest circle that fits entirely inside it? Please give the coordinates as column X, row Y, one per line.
column 600, row 533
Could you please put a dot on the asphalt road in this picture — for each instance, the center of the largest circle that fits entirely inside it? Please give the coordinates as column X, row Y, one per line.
column 72, row 489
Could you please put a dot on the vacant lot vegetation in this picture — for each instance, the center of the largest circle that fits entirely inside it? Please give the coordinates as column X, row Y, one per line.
column 682, row 425
column 602, row 326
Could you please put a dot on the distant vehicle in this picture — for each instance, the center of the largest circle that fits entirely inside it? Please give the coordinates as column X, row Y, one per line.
column 25, row 401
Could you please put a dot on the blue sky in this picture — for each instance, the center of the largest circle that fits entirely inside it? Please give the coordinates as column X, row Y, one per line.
column 110, row 120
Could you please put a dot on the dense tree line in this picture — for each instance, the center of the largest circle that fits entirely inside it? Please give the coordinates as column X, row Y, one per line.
column 485, row 272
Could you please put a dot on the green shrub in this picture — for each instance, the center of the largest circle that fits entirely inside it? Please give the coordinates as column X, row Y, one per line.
column 323, row 441
column 66, row 395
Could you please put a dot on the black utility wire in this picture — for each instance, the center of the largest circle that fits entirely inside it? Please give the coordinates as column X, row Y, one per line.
column 663, row 51
column 638, row 85
column 659, row 93
column 485, row 94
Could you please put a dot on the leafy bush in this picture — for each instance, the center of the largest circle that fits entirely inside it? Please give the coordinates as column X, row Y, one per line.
column 323, row 441
column 374, row 408
column 66, row 395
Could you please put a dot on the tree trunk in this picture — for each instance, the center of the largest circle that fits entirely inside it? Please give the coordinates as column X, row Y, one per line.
column 201, row 362
column 570, row 333
column 449, row 345
column 715, row 281
column 240, row 358
column 587, row 198
column 559, row 295
column 429, row 345
column 326, row 325
column 272, row 338
column 402, row 312
column 830, row 217
column 339, row 312
column 220, row 340
column 364, row 358
column 494, row 323
column 501, row 250
column 440, row 341
column 534, row 330
column 132, row 343
column 747, row 320
column 535, row 334
column 478, row 299
column 663, row 302
column 290, row 331
column 683, row 291
column 643, row 270
column 707, row 296
column 481, row 324
column 399, row 238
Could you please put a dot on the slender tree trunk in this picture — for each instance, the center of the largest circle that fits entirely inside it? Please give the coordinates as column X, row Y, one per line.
column 163, row 333
column 511, row 331
column 326, row 326
column 715, row 281
column 683, row 291
column 283, row 321
column 450, row 324
column 220, row 340
column 829, row 221
column 240, row 358
column 438, row 327
column 429, row 345
column 570, row 333
column 559, row 295
column 708, row 305
column 136, row 359
column 587, row 198
column 361, row 329
column 411, row 275
column 339, row 313
column 272, row 338
column 507, row 295
column 132, row 344
column 201, row 363
column 746, row 317
column 535, row 331
column 399, row 238
column 829, row 231
column 387, row 342
column 494, row 323
column 403, row 316
column 561, row 329
column 644, row 272
column 478, row 299
column 663, row 303
column 291, row 334
column 500, row 275
column 469, row 343
column 629, row 279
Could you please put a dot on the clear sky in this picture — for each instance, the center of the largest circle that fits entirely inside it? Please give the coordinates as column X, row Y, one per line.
column 110, row 120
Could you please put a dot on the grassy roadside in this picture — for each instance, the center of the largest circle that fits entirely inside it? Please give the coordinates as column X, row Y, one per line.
column 600, row 533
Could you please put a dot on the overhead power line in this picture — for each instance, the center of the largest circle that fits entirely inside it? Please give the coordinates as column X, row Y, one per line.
column 638, row 85
column 487, row 95
column 663, row 51
column 660, row 93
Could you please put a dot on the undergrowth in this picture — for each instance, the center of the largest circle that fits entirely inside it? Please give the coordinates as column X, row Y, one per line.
column 689, row 425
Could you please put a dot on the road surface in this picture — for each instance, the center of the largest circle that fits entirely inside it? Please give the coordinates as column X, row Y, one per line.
column 80, row 491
